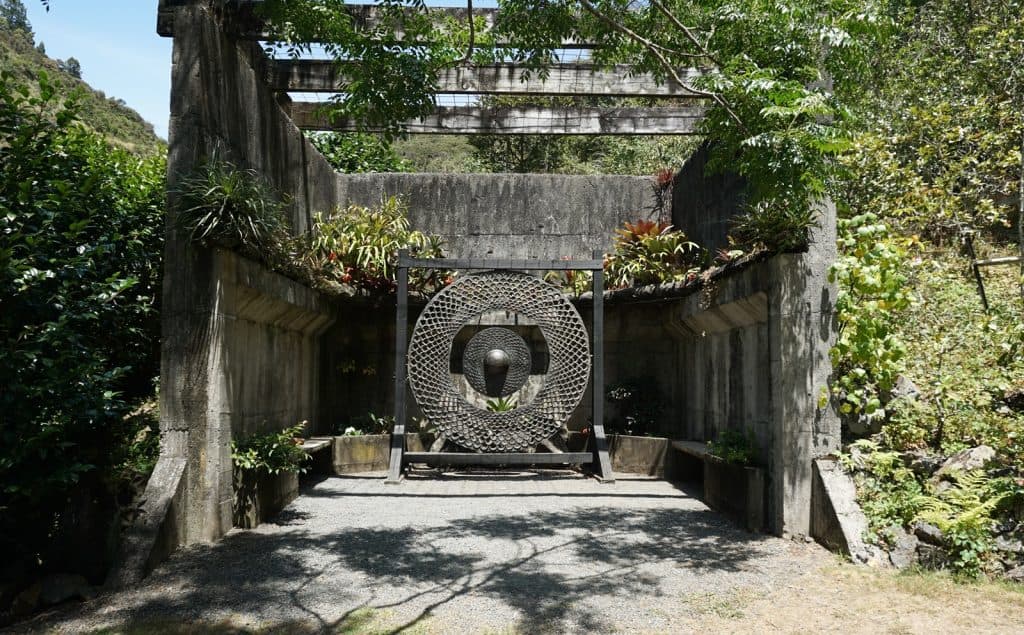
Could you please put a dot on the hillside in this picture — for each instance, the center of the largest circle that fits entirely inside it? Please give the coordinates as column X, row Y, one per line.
column 108, row 116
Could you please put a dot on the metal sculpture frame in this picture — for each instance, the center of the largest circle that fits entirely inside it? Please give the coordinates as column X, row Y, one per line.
column 597, row 457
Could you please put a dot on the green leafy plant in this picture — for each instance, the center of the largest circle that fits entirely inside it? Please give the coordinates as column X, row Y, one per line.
column 359, row 246
column 868, row 355
column 272, row 453
column 964, row 514
column 732, row 446
column 81, row 239
column 369, row 423
column 649, row 252
column 222, row 204
column 774, row 227
column 887, row 490
column 356, row 152
column 502, row 404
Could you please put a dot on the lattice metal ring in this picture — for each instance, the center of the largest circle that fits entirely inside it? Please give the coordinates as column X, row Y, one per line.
column 475, row 362
column 431, row 347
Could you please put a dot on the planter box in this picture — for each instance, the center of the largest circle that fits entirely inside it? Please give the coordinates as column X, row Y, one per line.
column 367, row 453
column 736, row 491
column 260, row 495
column 638, row 455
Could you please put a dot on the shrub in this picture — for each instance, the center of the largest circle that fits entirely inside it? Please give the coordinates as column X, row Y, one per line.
column 648, row 252
column 732, row 446
column 272, row 453
column 867, row 356
column 357, row 152
column 81, row 238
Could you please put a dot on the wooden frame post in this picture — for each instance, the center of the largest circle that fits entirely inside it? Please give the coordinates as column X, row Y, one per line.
column 600, row 443
column 401, row 344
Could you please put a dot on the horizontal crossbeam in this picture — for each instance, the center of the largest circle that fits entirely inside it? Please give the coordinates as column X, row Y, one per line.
column 525, row 264
column 505, row 458
column 324, row 76
column 466, row 120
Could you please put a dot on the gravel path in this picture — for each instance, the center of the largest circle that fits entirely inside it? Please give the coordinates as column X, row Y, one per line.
column 471, row 552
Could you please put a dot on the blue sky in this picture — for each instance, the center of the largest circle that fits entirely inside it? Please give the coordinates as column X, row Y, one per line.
column 117, row 45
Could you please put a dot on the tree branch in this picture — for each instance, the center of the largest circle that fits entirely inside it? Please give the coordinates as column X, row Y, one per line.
column 472, row 34
column 655, row 50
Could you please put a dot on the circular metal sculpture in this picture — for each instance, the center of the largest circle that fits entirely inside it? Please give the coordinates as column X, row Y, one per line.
column 496, row 362
column 431, row 348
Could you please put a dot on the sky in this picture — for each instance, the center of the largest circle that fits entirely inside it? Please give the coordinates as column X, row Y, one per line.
column 117, row 45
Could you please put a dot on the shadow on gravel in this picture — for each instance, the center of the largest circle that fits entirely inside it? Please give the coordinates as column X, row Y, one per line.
column 561, row 560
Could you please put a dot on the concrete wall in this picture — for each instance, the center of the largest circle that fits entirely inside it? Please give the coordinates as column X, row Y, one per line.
column 703, row 206
column 239, row 343
column 512, row 215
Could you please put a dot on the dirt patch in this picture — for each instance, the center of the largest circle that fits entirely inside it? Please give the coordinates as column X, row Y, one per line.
column 865, row 601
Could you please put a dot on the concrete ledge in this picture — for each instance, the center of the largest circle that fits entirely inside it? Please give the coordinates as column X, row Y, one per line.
column 638, row 455
column 367, row 453
column 265, row 297
column 154, row 534
column 837, row 522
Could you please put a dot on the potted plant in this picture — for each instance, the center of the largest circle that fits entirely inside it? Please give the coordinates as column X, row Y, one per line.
column 266, row 469
column 364, row 445
column 733, row 483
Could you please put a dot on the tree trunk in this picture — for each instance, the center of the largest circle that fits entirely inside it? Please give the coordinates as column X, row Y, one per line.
column 1020, row 212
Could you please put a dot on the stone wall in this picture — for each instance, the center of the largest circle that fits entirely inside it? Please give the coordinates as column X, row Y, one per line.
column 512, row 215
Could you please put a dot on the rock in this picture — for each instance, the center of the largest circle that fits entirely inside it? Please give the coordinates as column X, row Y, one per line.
column 863, row 424
column 922, row 463
column 932, row 556
column 967, row 460
column 1015, row 575
column 1008, row 545
column 904, row 551
column 927, row 533
column 905, row 389
column 27, row 601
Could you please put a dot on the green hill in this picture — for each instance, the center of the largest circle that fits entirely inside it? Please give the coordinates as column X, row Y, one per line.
column 107, row 116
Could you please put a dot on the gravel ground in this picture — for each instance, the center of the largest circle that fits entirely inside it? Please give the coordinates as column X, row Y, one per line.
column 460, row 553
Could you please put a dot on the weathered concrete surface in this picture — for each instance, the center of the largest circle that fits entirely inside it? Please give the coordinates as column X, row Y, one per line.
column 638, row 455
column 512, row 215
column 154, row 534
column 837, row 521
column 260, row 496
column 703, row 206
column 367, row 453
column 239, row 344
column 736, row 491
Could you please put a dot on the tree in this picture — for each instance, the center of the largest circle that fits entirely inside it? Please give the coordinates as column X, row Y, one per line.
column 71, row 66
column 14, row 17
column 768, row 67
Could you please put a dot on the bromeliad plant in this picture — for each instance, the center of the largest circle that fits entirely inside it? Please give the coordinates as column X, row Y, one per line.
column 649, row 252
column 359, row 246
column 222, row 204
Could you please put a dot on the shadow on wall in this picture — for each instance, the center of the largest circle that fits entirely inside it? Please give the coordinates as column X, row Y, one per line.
column 257, row 571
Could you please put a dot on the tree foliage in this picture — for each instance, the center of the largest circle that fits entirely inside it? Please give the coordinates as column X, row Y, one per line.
column 14, row 17
column 80, row 244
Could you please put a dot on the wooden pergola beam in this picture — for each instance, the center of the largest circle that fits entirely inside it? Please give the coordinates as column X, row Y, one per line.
column 468, row 120
column 324, row 76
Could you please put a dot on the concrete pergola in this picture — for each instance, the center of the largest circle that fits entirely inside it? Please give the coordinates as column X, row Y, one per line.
column 243, row 345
